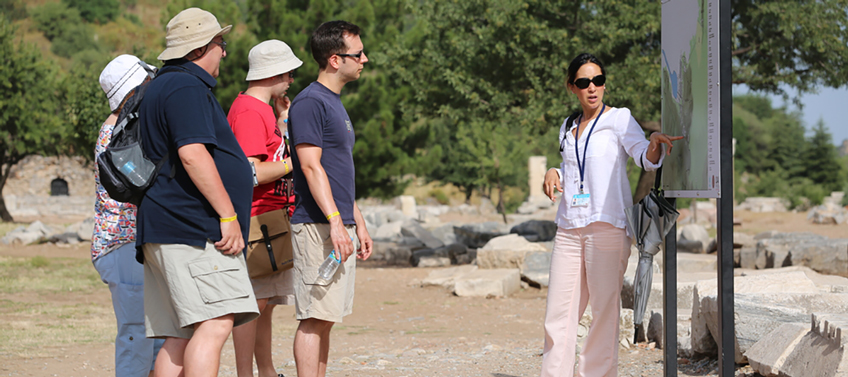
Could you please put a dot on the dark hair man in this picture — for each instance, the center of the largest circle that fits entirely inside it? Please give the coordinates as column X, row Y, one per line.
column 192, row 225
column 326, row 217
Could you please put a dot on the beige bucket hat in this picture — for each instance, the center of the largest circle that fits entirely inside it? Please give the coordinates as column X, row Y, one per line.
column 271, row 58
column 190, row 29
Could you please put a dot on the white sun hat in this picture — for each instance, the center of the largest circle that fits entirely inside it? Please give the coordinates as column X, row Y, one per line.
column 122, row 75
column 271, row 58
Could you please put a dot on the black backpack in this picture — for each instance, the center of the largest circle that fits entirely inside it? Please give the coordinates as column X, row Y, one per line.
column 125, row 171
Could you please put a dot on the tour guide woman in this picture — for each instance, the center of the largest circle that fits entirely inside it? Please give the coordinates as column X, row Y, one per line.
column 591, row 247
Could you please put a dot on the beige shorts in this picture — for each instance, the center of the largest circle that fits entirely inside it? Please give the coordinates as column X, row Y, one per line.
column 311, row 245
column 185, row 285
column 278, row 288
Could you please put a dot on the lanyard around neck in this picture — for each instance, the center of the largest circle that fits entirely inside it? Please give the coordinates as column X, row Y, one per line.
column 582, row 166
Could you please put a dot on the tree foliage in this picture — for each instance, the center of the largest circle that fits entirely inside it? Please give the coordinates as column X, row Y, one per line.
column 820, row 160
column 84, row 107
column 490, row 77
column 53, row 19
column 386, row 145
column 29, row 105
column 802, row 44
column 463, row 92
column 778, row 158
column 13, row 9
column 63, row 26
column 99, row 11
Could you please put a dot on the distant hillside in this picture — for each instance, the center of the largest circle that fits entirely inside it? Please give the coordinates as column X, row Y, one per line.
column 63, row 33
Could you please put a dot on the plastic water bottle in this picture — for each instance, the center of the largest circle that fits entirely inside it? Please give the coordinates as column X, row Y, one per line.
column 328, row 268
column 129, row 169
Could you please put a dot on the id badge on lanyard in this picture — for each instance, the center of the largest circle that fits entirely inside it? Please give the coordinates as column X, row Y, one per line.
column 582, row 198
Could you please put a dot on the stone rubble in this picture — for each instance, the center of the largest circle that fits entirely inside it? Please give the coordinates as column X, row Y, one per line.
column 778, row 287
column 38, row 232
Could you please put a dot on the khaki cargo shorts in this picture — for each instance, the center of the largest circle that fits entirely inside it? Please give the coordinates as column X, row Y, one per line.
column 311, row 245
column 184, row 285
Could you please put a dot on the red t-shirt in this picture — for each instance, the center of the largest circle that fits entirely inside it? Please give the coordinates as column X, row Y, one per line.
column 256, row 130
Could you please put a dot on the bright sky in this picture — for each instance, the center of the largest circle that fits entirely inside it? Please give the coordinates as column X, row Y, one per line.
column 828, row 104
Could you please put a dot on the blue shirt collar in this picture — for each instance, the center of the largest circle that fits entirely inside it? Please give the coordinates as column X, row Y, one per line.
column 192, row 68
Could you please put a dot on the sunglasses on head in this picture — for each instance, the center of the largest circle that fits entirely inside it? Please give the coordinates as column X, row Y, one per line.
column 583, row 83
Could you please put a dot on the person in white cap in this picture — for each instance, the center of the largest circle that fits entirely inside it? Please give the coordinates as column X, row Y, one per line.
column 192, row 224
column 260, row 134
column 113, row 239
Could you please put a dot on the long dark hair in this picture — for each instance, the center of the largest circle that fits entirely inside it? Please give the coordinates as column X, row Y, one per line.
column 578, row 62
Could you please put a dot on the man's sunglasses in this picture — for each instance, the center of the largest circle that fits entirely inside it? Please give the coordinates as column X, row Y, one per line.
column 583, row 83
column 291, row 74
column 357, row 55
column 221, row 43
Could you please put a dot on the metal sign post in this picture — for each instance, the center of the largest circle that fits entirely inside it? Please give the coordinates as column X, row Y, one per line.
column 697, row 104
column 670, row 300
column 724, row 237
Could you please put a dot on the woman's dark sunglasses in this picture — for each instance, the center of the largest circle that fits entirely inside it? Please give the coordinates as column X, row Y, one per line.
column 583, row 83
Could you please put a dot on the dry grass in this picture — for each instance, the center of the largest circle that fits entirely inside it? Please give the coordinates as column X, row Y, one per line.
column 47, row 302
column 31, row 329
column 41, row 275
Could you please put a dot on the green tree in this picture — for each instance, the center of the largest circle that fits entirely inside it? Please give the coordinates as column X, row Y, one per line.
column 85, row 106
column 73, row 39
column 13, row 9
column 386, row 147
column 489, row 80
column 821, row 164
column 786, row 143
column 802, row 44
column 751, row 113
column 54, row 19
column 99, row 11
column 29, row 106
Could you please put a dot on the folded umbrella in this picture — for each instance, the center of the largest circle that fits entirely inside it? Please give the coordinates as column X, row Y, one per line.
column 649, row 221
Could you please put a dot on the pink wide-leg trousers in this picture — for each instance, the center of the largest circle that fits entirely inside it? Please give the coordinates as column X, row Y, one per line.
column 587, row 267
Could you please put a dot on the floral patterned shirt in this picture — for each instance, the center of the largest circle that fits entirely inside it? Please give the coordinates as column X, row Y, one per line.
column 114, row 222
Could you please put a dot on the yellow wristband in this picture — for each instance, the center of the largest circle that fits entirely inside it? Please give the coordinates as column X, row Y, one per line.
column 334, row 214
column 286, row 165
column 228, row 219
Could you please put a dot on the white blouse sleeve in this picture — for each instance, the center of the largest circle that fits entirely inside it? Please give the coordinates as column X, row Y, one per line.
column 633, row 140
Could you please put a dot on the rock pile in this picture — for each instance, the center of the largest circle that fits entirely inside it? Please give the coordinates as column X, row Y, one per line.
column 761, row 204
column 38, row 232
column 828, row 213
column 773, row 250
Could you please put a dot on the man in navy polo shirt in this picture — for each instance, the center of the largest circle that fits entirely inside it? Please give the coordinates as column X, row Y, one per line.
column 192, row 225
column 326, row 217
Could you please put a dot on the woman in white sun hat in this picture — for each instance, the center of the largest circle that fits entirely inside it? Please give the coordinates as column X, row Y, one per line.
column 113, row 240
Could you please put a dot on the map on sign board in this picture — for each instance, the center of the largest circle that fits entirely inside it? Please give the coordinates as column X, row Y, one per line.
column 690, row 97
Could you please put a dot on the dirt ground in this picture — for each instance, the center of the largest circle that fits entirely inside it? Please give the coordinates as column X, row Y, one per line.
column 397, row 328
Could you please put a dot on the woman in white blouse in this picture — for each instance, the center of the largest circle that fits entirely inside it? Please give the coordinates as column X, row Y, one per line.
column 591, row 247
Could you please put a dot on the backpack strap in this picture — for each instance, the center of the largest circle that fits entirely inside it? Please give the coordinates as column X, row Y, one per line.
column 568, row 123
column 571, row 119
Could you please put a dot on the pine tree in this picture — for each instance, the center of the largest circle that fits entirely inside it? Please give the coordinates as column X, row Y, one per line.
column 820, row 161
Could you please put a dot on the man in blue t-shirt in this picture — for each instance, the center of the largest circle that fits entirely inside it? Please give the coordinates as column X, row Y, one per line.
column 326, row 217
column 192, row 225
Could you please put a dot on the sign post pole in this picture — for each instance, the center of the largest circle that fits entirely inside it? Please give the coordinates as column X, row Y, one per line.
column 724, row 237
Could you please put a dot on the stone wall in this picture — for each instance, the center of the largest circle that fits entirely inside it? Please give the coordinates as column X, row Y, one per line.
column 27, row 190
